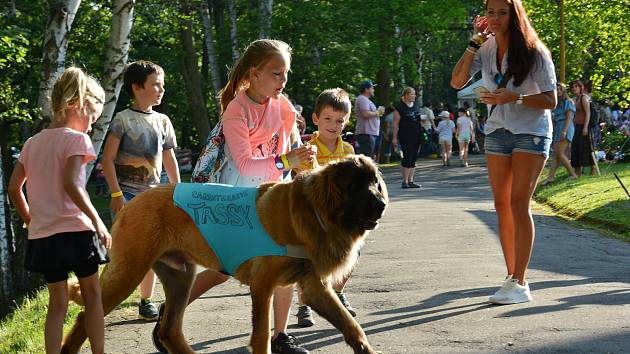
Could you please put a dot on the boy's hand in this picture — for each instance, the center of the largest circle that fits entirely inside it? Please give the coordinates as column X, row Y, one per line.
column 117, row 203
column 306, row 153
column 103, row 234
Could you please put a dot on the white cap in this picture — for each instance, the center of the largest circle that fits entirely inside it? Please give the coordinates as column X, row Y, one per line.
column 444, row 114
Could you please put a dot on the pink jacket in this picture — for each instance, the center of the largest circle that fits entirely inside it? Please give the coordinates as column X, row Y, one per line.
column 249, row 130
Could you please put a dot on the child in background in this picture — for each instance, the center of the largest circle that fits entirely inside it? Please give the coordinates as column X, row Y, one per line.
column 139, row 141
column 65, row 233
column 101, row 189
column 465, row 134
column 445, row 130
column 331, row 114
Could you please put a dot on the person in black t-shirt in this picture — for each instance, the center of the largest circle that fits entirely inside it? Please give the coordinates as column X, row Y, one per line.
column 408, row 132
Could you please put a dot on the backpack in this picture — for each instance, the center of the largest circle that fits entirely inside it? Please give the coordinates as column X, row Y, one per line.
column 212, row 158
column 594, row 120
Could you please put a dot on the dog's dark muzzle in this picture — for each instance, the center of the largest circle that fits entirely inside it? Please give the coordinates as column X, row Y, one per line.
column 373, row 213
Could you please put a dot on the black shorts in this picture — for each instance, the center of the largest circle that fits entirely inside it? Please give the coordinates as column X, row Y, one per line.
column 54, row 256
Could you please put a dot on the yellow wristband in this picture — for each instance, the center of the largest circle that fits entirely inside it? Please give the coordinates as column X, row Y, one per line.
column 285, row 161
column 117, row 194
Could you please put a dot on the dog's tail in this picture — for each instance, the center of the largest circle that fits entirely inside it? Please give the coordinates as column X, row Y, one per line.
column 74, row 292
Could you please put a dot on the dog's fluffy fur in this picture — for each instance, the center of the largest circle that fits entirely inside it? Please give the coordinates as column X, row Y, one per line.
column 349, row 196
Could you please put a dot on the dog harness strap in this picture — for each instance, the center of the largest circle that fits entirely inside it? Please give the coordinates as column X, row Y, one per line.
column 319, row 219
column 228, row 219
column 296, row 251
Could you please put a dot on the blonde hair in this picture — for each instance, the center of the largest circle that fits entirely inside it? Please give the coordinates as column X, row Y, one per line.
column 257, row 54
column 565, row 94
column 74, row 87
column 407, row 90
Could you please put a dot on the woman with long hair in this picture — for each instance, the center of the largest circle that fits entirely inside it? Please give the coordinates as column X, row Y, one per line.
column 562, row 133
column 517, row 70
column 582, row 147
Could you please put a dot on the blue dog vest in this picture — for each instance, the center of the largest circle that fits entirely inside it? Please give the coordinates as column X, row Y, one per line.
column 227, row 218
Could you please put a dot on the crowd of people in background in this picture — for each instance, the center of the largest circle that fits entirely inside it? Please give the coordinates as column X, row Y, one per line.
column 409, row 129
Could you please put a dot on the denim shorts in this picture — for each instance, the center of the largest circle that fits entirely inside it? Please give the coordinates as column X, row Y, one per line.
column 502, row 142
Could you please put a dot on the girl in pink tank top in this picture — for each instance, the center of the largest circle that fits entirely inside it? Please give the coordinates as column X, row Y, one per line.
column 65, row 231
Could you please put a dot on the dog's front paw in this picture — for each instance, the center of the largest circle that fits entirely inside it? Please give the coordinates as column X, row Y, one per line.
column 365, row 348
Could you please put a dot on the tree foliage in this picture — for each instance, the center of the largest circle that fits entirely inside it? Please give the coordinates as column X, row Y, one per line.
column 597, row 42
column 334, row 44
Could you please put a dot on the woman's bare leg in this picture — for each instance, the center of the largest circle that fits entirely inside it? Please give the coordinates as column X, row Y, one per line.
column 526, row 170
column 500, row 177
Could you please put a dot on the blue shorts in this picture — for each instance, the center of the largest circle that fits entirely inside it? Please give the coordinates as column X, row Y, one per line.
column 502, row 142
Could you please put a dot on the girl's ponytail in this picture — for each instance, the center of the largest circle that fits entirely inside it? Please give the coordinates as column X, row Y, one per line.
column 230, row 90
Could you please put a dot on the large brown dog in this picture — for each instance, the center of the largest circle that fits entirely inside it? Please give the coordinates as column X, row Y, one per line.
column 328, row 212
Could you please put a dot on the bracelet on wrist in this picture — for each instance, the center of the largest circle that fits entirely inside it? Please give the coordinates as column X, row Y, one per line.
column 285, row 161
column 471, row 50
column 474, row 44
column 116, row 194
column 478, row 39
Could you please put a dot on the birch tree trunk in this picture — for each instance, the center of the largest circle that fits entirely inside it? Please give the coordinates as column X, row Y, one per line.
column 192, row 77
column 60, row 17
column 215, row 78
column 420, row 88
column 12, row 10
column 6, row 237
column 233, row 29
column 117, row 54
column 399, row 50
column 266, row 9
column 15, row 280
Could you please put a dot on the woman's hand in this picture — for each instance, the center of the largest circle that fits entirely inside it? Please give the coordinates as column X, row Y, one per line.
column 585, row 130
column 563, row 135
column 499, row 96
column 480, row 24
column 306, row 153
column 117, row 203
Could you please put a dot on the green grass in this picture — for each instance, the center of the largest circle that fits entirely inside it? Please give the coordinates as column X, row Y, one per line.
column 23, row 330
column 597, row 200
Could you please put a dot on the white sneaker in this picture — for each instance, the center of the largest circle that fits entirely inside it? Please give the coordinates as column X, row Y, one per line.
column 504, row 287
column 511, row 293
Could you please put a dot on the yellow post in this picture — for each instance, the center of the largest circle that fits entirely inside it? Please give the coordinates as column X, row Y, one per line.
column 562, row 44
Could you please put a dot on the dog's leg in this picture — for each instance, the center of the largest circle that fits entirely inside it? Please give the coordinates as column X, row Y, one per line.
column 177, row 285
column 323, row 300
column 261, row 290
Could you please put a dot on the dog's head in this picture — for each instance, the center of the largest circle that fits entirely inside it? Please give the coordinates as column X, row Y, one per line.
column 351, row 191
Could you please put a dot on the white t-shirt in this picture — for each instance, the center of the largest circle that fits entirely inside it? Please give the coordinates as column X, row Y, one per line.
column 463, row 125
column 426, row 118
column 445, row 129
column 518, row 119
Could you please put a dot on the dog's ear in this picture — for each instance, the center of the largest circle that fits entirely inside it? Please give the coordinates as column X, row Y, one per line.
column 326, row 187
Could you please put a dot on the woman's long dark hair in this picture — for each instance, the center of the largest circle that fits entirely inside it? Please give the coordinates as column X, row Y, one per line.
column 524, row 43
